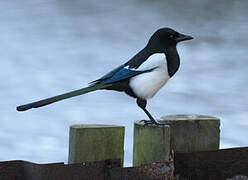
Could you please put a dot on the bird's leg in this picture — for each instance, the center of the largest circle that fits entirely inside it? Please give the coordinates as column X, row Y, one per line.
column 142, row 104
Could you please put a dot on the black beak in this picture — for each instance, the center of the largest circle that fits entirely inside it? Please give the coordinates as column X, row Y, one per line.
column 183, row 37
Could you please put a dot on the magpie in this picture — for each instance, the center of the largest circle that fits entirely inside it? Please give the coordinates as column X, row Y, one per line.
column 141, row 77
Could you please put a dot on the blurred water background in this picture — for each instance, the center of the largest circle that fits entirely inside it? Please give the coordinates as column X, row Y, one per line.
column 48, row 47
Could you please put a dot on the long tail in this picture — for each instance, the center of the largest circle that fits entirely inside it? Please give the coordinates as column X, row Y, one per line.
column 50, row 100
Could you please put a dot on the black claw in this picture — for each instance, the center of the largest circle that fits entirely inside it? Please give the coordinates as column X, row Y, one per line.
column 154, row 122
column 150, row 122
column 147, row 122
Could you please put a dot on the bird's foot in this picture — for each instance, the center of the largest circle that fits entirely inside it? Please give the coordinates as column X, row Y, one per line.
column 147, row 122
column 152, row 122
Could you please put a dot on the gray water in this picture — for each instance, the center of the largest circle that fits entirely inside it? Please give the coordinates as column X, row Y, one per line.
column 48, row 47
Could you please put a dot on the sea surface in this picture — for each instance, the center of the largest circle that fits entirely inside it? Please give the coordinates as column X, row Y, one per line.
column 48, row 47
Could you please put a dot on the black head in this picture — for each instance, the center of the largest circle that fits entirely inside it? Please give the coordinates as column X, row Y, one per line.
column 165, row 38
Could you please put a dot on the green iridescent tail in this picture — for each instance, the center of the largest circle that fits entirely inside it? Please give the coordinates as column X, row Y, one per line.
column 50, row 100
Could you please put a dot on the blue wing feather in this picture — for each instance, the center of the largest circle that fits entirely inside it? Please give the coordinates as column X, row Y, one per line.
column 118, row 74
column 109, row 74
column 123, row 74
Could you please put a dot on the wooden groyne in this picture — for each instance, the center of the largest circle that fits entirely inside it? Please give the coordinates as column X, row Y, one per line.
column 185, row 147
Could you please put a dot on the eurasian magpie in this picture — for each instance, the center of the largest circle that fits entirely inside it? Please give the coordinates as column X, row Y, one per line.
column 140, row 77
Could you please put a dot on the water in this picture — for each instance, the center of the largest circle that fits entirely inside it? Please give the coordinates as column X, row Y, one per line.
column 51, row 47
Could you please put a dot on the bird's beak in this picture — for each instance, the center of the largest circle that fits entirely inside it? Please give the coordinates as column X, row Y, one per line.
column 183, row 37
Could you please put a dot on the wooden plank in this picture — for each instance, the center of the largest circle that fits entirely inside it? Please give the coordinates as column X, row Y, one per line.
column 22, row 170
column 212, row 165
column 98, row 170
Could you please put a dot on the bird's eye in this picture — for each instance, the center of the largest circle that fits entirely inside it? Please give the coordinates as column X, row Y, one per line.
column 174, row 35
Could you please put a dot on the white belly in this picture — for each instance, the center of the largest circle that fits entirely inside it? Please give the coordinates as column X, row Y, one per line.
column 146, row 85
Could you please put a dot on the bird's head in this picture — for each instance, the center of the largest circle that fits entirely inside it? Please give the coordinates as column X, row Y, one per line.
column 165, row 38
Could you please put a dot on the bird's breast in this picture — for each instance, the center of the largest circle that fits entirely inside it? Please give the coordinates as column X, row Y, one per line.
column 146, row 85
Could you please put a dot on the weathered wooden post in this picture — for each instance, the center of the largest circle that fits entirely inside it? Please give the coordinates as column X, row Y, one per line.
column 191, row 133
column 151, row 143
column 183, row 133
column 95, row 142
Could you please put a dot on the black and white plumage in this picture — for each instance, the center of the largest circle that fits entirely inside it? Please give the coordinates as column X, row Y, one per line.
column 140, row 77
column 146, row 85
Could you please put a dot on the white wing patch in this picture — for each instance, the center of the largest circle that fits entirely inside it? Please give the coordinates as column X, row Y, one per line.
column 127, row 67
column 147, row 84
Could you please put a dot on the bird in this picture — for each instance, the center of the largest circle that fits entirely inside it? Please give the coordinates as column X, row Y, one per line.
column 140, row 77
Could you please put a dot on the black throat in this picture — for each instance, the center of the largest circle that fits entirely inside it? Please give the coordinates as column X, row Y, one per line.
column 173, row 60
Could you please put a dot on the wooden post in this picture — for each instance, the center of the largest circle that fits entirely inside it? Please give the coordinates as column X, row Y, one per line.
column 191, row 133
column 95, row 142
column 151, row 143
